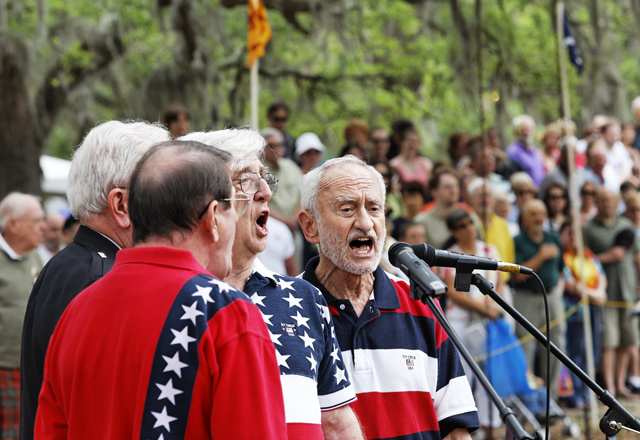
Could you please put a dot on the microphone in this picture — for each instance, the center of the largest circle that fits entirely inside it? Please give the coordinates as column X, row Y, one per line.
column 402, row 256
column 436, row 257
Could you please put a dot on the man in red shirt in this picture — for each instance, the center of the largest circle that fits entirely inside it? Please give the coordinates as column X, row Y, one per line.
column 158, row 348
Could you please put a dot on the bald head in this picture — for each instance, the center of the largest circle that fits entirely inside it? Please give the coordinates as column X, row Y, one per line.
column 22, row 222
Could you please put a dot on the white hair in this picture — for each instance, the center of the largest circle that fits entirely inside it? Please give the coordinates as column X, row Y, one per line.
column 310, row 183
column 272, row 132
column 523, row 119
column 15, row 205
column 244, row 144
column 476, row 184
column 521, row 179
column 105, row 160
column 635, row 104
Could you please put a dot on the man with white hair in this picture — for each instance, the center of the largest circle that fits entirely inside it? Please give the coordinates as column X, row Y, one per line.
column 406, row 372
column 523, row 152
column 22, row 228
column 52, row 236
column 315, row 387
column 98, row 196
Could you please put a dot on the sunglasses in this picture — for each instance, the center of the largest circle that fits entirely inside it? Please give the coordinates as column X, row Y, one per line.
column 280, row 118
column 463, row 225
column 250, row 182
column 588, row 193
column 557, row 197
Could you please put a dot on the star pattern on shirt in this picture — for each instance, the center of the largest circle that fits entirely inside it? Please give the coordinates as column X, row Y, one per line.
column 308, row 340
column 204, row 293
column 274, row 338
column 174, row 364
column 301, row 321
column 257, row 299
column 340, row 376
column 313, row 361
column 267, row 318
column 282, row 359
column 163, row 419
column 182, row 337
column 191, row 312
column 293, row 301
column 222, row 286
column 282, row 284
column 167, row 391
column 334, row 354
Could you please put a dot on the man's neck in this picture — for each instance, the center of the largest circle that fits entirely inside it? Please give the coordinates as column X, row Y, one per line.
column 345, row 285
column 608, row 220
column 240, row 272
column 536, row 235
column 15, row 246
column 444, row 209
column 100, row 223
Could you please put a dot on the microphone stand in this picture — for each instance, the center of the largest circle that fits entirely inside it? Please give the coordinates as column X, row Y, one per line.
column 616, row 417
column 508, row 417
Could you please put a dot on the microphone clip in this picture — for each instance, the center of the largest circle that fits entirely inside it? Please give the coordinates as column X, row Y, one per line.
column 464, row 268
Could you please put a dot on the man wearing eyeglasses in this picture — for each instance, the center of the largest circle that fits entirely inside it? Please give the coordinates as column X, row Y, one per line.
column 315, row 387
column 278, row 117
column 160, row 348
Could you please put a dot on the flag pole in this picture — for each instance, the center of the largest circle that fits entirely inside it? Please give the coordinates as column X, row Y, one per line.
column 254, row 93
column 573, row 191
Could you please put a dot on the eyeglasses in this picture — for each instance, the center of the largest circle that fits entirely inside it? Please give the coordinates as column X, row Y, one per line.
column 524, row 192
column 588, row 193
column 380, row 141
column 280, row 118
column 463, row 225
column 557, row 197
column 244, row 209
column 250, row 182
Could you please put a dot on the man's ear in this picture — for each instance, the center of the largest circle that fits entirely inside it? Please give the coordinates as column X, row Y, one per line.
column 212, row 220
column 118, row 201
column 309, row 227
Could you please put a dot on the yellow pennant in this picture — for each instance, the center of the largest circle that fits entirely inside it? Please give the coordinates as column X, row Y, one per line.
column 259, row 30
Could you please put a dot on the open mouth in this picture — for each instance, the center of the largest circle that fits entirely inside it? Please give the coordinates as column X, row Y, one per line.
column 261, row 221
column 362, row 245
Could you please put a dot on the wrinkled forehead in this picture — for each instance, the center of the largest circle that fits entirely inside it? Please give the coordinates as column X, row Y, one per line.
column 244, row 166
column 351, row 182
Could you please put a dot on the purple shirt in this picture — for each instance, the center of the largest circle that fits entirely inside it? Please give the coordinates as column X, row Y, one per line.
column 529, row 158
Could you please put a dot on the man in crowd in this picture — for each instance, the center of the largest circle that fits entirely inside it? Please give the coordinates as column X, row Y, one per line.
column 541, row 251
column 523, row 152
column 605, row 236
column 53, row 237
column 286, row 204
column 316, row 390
column 158, row 347
column 483, row 164
column 405, row 370
column 445, row 191
column 98, row 196
column 22, row 228
column 597, row 170
column 278, row 117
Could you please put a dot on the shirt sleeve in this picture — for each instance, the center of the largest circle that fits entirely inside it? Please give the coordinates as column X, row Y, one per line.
column 333, row 391
column 248, row 401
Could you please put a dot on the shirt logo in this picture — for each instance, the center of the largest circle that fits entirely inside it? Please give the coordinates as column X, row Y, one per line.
column 289, row 329
column 409, row 361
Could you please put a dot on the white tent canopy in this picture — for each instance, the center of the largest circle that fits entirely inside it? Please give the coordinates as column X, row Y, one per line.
column 55, row 172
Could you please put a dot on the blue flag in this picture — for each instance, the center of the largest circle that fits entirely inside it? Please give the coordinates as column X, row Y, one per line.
column 570, row 43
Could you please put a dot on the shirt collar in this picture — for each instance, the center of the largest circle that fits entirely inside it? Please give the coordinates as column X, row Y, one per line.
column 9, row 250
column 260, row 268
column 98, row 232
column 386, row 295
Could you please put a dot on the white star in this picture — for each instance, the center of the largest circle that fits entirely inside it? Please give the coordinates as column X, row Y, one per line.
column 163, row 419
column 308, row 340
column 182, row 337
column 339, row 376
column 267, row 319
column 301, row 320
column 161, row 437
column 282, row 284
column 174, row 364
column 168, row 391
column 313, row 361
column 191, row 312
column 257, row 299
column 222, row 286
column 334, row 354
column 326, row 314
column 204, row 293
column 293, row 301
column 282, row 359
column 274, row 338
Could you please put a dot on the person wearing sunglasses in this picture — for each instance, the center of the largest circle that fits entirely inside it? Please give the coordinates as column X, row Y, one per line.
column 314, row 383
column 278, row 117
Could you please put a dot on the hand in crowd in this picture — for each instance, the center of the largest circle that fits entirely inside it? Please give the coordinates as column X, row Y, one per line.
column 616, row 253
column 548, row 251
column 492, row 312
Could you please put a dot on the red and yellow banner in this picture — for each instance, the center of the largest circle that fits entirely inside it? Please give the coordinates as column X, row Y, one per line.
column 259, row 30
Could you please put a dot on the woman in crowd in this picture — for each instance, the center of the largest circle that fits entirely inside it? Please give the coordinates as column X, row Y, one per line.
column 588, row 207
column 409, row 164
column 549, row 146
column 557, row 202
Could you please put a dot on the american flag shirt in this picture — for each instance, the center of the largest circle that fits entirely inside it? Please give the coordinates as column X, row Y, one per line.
column 312, row 371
